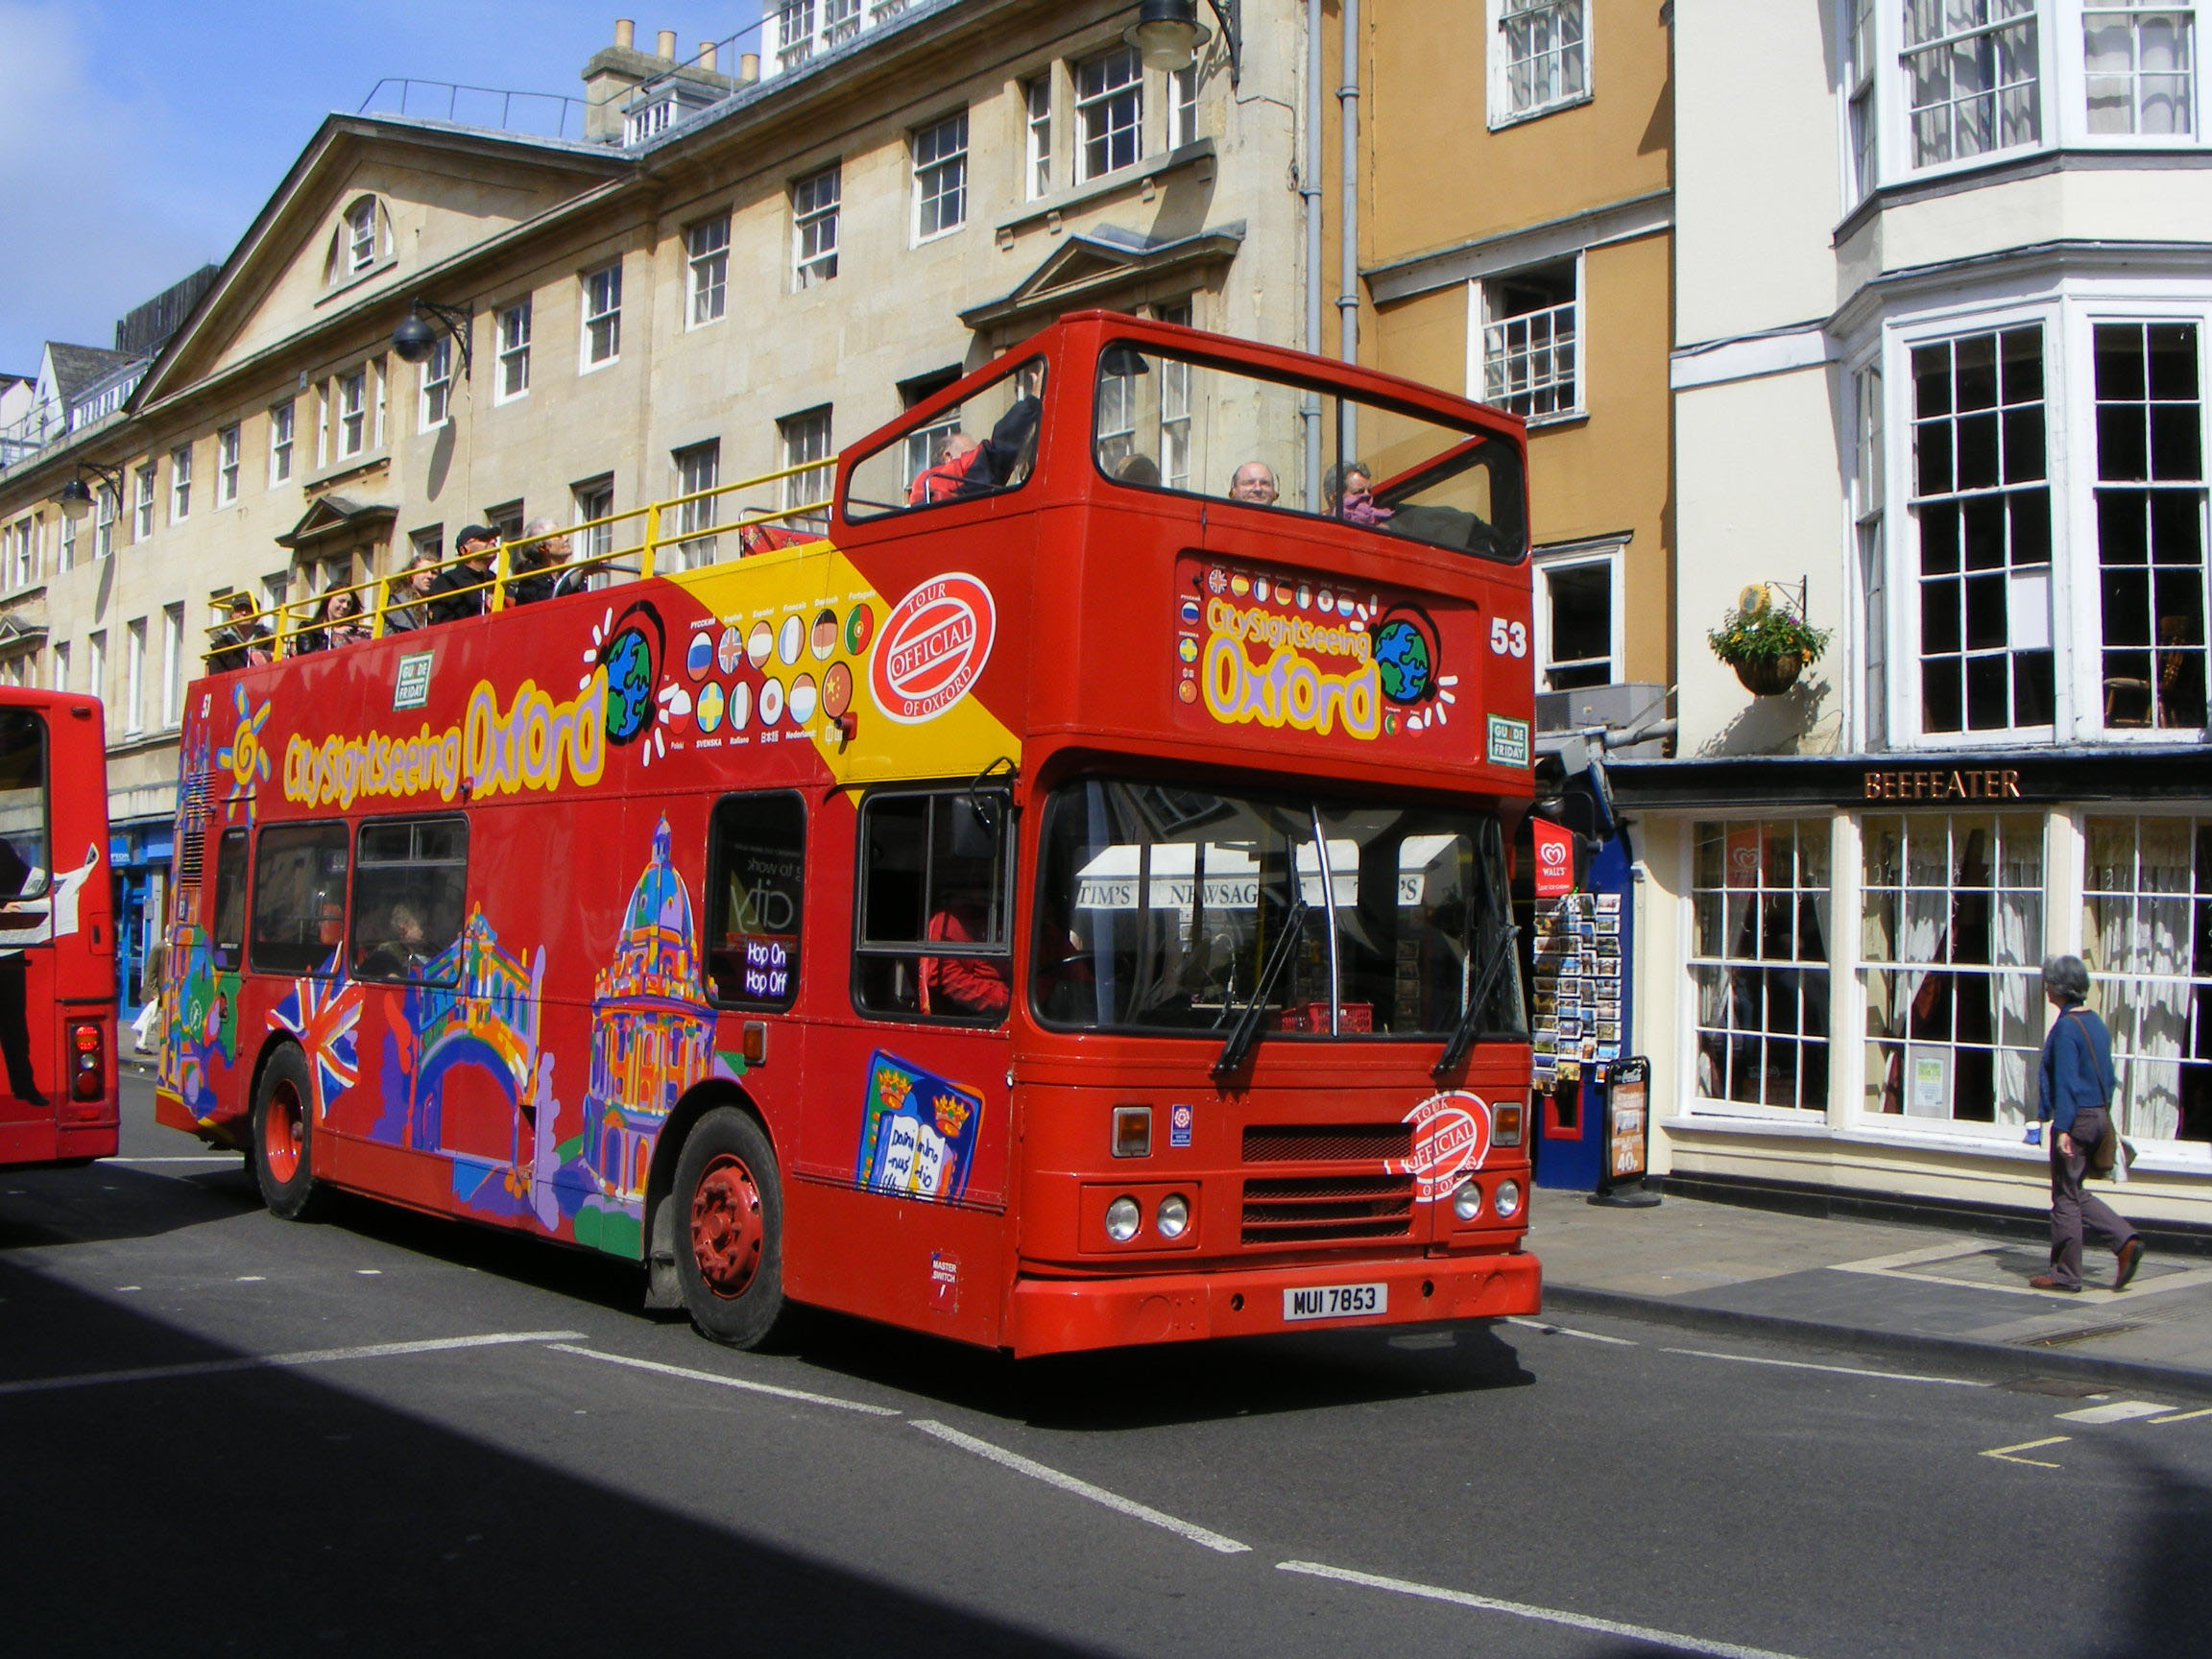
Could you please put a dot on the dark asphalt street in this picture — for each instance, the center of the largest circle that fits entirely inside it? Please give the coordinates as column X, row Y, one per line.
column 227, row 1434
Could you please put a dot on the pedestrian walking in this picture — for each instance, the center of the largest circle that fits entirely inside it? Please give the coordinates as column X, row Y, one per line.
column 2077, row 1108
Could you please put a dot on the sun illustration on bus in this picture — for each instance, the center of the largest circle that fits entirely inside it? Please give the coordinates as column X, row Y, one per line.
column 243, row 756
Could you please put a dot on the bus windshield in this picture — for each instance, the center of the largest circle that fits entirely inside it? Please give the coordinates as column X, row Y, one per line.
column 1160, row 906
column 1167, row 423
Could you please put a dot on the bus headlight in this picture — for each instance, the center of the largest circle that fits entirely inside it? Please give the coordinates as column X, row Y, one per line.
column 1173, row 1216
column 1509, row 1199
column 1467, row 1201
column 1122, row 1219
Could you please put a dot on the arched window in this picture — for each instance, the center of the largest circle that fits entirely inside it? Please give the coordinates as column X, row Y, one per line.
column 363, row 237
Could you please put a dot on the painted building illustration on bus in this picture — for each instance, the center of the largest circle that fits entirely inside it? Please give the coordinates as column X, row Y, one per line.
column 652, row 1032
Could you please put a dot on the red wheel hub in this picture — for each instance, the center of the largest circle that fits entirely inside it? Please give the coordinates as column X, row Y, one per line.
column 283, row 1133
column 727, row 1232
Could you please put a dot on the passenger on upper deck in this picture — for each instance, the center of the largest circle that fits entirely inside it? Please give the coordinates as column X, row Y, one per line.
column 540, row 565
column 1009, row 453
column 463, row 590
column 1252, row 482
column 941, row 481
column 1354, row 501
column 245, row 642
column 406, row 602
column 337, row 622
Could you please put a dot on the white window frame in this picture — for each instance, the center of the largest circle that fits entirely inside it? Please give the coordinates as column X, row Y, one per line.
column 107, row 512
column 65, row 554
column 180, row 483
column 806, row 440
column 142, row 503
column 1037, row 102
column 60, row 665
column 513, row 352
column 359, row 238
column 1611, row 557
column 938, row 158
column 1099, row 114
column 1182, row 102
column 594, row 498
column 2002, row 16
column 19, row 554
column 2075, row 61
column 434, row 400
column 352, row 417
column 229, row 445
column 134, row 677
column 1511, row 20
column 172, row 666
column 814, row 225
column 600, row 345
column 698, row 468
column 283, row 428
column 96, row 663
column 706, row 271
column 1486, row 332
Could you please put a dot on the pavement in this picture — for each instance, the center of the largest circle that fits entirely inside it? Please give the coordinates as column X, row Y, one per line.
column 1913, row 1291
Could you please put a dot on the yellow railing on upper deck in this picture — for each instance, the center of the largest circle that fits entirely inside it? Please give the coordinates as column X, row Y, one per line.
column 387, row 604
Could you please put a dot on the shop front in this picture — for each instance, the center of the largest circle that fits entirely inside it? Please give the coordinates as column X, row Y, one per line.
column 1838, row 968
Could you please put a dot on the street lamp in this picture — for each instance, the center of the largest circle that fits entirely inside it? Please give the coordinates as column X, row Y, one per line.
column 1168, row 35
column 416, row 337
column 75, row 498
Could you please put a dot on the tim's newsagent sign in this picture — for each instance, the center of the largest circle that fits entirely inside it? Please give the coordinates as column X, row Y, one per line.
column 933, row 647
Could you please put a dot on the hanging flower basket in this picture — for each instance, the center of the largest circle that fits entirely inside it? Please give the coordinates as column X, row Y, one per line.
column 1767, row 647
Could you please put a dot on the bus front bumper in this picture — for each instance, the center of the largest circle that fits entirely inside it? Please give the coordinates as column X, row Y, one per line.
column 1067, row 1315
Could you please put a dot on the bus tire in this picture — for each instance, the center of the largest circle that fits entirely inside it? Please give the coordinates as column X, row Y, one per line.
column 281, row 1150
column 729, row 1230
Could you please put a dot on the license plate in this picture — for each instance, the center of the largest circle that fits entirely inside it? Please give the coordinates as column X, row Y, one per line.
column 1335, row 1302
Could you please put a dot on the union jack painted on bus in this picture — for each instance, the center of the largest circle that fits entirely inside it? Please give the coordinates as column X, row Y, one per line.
column 324, row 1014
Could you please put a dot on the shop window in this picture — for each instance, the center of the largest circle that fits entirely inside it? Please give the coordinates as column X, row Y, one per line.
column 1952, row 936
column 1759, row 970
column 298, row 899
column 2147, row 933
column 1972, row 76
column 2151, row 523
column 226, row 933
column 933, row 906
column 1982, row 498
column 756, row 879
column 410, row 888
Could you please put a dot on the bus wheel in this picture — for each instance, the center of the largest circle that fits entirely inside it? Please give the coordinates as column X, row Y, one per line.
column 281, row 1147
column 730, row 1222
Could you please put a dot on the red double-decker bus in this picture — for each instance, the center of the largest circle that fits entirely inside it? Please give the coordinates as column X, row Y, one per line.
column 1053, row 892
column 57, row 933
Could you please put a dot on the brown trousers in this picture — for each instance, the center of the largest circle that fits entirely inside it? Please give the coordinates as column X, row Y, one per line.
column 2071, row 1205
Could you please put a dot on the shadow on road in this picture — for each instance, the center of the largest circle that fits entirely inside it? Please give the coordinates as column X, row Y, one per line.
column 267, row 1512
column 2165, row 1609
column 105, row 1202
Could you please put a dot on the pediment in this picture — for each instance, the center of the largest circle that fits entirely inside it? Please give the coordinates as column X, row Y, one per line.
column 335, row 517
column 429, row 196
column 1098, row 267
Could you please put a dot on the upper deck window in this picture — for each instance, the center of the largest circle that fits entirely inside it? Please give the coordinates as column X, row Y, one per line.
column 983, row 445
column 1167, row 422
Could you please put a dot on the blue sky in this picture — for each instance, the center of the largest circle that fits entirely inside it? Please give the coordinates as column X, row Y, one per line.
column 139, row 137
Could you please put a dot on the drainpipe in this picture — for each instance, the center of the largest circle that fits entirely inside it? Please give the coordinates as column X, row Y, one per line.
column 1347, row 97
column 1310, row 197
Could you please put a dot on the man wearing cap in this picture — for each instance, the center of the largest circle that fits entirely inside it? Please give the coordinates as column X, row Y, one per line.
column 463, row 590
column 244, row 643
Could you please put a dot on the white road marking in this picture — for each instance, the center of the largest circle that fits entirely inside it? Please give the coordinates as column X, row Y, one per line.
column 721, row 1382
column 253, row 1279
column 370, row 1272
column 1838, row 1370
column 2119, row 1411
column 1524, row 1610
column 278, row 1362
column 1113, row 1500
column 1550, row 1330
column 2003, row 1453
column 190, row 1157
column 2185, row 1416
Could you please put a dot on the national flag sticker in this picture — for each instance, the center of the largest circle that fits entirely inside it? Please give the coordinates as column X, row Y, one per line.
column 1509, row 741
column 1179, row 1118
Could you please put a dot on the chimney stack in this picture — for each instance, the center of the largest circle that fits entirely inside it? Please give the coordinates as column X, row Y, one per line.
column 707, row 55
column 625, row 34
column 665, row 46
column 749, row 67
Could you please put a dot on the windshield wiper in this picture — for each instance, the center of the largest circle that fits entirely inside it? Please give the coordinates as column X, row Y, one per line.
column 1246, row 1031
column 1464, row 1033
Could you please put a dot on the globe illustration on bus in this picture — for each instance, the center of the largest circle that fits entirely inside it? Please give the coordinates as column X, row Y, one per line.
column 1403, row 658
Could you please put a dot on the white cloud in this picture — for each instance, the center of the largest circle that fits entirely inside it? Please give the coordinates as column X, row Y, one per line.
column 90, row 230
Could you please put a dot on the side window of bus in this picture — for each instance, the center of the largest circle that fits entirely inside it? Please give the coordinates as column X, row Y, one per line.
column 934, row 897
column 25, row 868
column 227, row 934
column 756, row 877
column 410, row 883
column 298, row 899
column 982, row 445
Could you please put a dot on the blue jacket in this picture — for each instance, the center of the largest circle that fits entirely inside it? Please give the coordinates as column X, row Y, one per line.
column 2077, row 1068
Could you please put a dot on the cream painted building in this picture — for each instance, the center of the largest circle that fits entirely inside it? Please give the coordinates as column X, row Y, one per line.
column 1943, row 279
column 735, row 274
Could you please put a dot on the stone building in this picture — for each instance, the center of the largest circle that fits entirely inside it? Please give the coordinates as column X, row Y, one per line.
column 717, row 276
